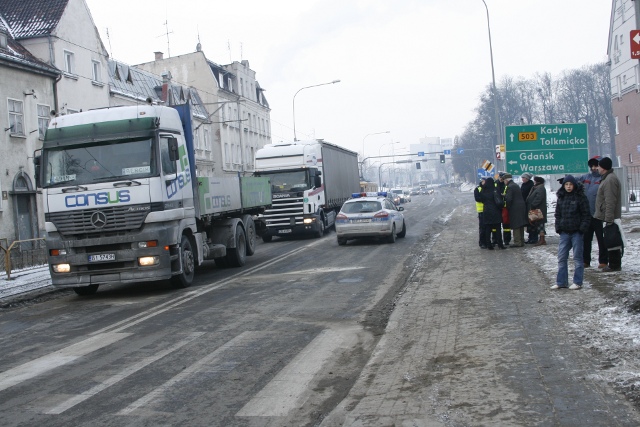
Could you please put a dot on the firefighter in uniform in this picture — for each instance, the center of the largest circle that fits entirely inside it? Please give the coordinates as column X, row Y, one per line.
column 482, row 238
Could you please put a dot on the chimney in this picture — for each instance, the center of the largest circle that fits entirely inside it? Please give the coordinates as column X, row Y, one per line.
column 166, row 80
column 159, row 56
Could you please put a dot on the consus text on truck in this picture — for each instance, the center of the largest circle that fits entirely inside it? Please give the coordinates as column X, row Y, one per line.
column 310, row 180
column 123, row 204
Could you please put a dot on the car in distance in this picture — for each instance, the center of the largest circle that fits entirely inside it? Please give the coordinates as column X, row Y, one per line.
column 370, row 215
column 407, row 196
column 398, row 195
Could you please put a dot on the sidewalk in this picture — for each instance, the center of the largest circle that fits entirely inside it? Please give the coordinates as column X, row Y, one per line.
column 22, row 281
column 479, row 339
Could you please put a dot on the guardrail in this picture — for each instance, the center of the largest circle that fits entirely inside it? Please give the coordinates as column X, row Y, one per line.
column 22, row 254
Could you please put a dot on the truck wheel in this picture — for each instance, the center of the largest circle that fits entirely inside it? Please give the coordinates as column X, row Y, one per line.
column 392, row 237
column 320, row 231
column 250, row 230
column 237, row 256
column 184, row 279
column 86, row 290
column 267, row 238
column 404, row 230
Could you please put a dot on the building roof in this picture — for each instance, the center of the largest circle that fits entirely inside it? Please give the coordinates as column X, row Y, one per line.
column 32, row 18
column 15, row 55
column 140, row 85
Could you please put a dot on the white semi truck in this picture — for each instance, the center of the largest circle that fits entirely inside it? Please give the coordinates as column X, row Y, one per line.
column 310, row 180
column 123, row 204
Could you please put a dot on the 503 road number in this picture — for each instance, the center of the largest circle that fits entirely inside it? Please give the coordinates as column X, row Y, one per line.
column 527, row 136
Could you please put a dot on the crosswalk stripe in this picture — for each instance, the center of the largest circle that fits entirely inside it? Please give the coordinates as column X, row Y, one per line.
column 56, row 359
column 282, row 393
column 212, row 362
column 79, row 398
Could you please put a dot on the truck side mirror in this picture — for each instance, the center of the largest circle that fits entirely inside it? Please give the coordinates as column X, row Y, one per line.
column 36, row 164
column 173, row 149
column 317, row 182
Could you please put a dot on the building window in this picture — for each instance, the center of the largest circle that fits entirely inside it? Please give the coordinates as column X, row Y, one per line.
column 95, row 71
column 69, row 65
column 630, row 158
column 3, row 40
column 227, row 158
column 628, row 120
column 16, row 117
column 617, row 129
column 43, row 119
column 207, row 140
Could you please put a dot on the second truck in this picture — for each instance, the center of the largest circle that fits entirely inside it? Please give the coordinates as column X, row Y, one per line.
column 310, row 180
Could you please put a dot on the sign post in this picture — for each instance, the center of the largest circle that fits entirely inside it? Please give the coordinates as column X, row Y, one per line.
column 560, row 148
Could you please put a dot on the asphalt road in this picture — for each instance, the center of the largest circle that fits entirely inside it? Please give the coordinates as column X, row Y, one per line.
column 280, row 342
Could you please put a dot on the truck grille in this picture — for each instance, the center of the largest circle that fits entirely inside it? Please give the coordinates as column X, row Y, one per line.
column 119, row 218
column 283, row 210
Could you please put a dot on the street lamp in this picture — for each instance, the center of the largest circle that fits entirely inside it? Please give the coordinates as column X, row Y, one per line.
column 493, row 76
column 363, row 157
column 390, row 143
column 294, row 103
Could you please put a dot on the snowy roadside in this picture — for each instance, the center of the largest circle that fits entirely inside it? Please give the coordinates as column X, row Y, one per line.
column 23, row 281
column 605, row 313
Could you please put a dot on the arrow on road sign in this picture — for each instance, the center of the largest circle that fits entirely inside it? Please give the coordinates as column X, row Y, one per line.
column 512, row 136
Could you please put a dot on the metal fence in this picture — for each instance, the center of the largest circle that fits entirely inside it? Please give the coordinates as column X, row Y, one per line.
column 22, row 254
column 630, row 180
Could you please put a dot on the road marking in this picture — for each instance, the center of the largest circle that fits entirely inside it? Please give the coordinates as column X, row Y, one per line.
column 282, row 393
column 54, row 360
column 112, row 333
column 79, row 398
column 214, row 362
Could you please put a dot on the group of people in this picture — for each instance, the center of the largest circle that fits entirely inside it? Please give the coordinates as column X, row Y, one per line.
column 503, row 208
column 584, row 206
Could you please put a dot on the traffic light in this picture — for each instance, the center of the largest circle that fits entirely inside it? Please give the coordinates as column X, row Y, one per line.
column 441, row 158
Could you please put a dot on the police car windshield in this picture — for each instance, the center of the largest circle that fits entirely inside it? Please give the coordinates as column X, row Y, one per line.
column 363, row 206
column 121, row 160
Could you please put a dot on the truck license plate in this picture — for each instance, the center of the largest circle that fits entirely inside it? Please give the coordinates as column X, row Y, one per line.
column 102, row 257
column 285, row 231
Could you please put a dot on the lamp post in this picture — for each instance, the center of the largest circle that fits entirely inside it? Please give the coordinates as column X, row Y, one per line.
column 294, row 103
column 495, row 89
column 363, row 156
column 390, row 143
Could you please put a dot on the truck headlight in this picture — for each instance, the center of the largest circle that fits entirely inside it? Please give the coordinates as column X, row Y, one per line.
column 146, row 261
column 61, row 268
column 308, row 220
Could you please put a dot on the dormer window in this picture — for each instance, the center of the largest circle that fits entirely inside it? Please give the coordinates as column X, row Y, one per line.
column 3, row 40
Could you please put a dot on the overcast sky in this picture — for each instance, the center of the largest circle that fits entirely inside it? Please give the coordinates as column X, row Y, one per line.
column 415, row 68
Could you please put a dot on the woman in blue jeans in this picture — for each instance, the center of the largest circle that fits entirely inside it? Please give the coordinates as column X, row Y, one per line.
column 572, row 221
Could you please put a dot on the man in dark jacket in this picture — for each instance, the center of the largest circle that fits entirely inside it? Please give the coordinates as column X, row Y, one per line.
column 609, row 207
column 482, row 240
column 591, row 183
column 572, row 221
column 492, row 212
column 517, row 210
column 525, row 188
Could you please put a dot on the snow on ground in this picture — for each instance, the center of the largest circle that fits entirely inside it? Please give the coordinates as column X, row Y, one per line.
column 22, row 281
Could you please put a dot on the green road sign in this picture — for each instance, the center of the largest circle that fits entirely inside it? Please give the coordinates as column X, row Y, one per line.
column 561, row 148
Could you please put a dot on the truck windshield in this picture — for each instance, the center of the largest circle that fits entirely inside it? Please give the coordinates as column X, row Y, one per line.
column 111, row 160
column 285, row 182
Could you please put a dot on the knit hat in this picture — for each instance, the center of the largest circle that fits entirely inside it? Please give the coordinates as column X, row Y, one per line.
column 605, row 163
column 593, row 161
column 507, row 176
column 526, row 175
column 538, row 180
column 571, row 179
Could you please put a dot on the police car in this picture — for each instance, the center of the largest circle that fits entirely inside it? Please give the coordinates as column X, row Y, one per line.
column 370, row 215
